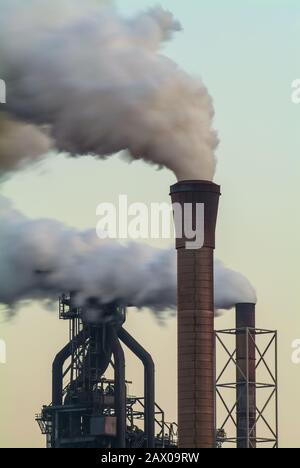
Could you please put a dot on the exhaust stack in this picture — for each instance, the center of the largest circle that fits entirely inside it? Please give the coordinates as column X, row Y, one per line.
column 196, row 419
column 246, row 375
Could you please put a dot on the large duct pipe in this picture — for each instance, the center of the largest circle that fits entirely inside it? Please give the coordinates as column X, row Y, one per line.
column 149, row 383
column 196, row 392
column 57, row 374
column 246, row 375
column 120, row 390
column 102, row 360
column 57, row 369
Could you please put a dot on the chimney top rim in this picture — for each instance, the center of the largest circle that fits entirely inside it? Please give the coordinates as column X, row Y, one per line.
column 195, row 186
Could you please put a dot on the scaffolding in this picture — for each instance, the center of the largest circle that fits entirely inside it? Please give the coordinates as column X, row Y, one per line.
column 234, row 384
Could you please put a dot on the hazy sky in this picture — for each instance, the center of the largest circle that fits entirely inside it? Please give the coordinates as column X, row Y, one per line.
column 248, row 55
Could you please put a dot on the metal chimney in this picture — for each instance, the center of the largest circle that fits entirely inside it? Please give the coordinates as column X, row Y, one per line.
column 246, row 375
column 196, row 396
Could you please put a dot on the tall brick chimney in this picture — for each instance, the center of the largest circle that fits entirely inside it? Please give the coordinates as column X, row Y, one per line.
column 196, row 392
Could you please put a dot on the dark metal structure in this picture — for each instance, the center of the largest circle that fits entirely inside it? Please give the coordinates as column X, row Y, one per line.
column 149, row 382
column 246, row 375
column 196, row 390
column 89, row 410
column 246, row 384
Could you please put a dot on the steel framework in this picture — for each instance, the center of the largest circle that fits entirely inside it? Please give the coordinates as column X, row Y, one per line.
column 90, row 411
column 262, row 432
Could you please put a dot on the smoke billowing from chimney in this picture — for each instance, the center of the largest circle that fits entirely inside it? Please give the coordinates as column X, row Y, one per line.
column 100, row 84
column 231, row 288
column 40, row 259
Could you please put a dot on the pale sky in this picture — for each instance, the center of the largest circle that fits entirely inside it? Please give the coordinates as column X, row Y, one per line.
column 247, row 54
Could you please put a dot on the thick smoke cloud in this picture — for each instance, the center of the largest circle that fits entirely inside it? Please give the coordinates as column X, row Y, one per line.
column 100, row 84
column 20, row 143
column 40, row 259
column 43, row 258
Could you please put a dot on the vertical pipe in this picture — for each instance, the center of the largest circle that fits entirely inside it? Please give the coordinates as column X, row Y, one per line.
column 248, row 429
column 276, row 379
column 57, row 374
column 57, row 368
column 246, row 375
column 149, row 383
column 196, row 386
column 120, row 390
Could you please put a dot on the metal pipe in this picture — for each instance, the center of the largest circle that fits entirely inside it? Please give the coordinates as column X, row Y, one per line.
column 120, row 390
column 57, row 369
column 57, row 374
column 196, row 412
column 246, row 375
column 276, row 389
column 149, row 383
column 103, row 359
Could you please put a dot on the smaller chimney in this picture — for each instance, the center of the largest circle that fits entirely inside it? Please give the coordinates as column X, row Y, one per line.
column 246, row 375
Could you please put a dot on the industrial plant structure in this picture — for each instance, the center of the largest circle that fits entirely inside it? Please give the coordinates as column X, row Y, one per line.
column 200, row 387
column 90, row 410
column 195, row 304
column 246, row 385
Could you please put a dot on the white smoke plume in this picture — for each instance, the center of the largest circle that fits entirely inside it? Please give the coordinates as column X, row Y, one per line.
column 101, row 84
column 231, row 288
column 40, row 259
